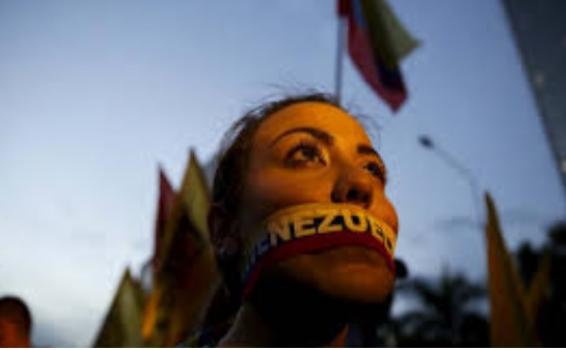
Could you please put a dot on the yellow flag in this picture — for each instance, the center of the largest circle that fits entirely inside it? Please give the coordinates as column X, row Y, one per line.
column 190, row 209
column 402, row 42
column 122, row 324
column 510, row 324
column 200, row 276
column 195, row 196
column 186, row 280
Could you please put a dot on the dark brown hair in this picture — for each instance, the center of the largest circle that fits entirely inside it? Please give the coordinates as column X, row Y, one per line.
column 14, row 309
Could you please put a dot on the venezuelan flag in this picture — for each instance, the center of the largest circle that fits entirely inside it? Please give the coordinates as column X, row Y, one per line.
column 376, row 43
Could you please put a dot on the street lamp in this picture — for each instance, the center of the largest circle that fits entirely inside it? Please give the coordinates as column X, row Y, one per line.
column 425, row 141
column 428, row 143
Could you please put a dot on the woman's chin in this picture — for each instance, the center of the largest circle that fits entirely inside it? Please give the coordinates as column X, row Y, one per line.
column 357, row 283
column 355, row 274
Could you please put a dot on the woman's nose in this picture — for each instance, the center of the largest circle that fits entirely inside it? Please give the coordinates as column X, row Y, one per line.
column 353, row 186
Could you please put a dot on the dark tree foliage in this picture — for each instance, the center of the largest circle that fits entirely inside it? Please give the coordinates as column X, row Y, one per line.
column 550, row 321
column 447, row 315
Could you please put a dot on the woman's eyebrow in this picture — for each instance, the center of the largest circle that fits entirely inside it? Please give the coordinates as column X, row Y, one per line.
column 367, row 149
column 314, row 132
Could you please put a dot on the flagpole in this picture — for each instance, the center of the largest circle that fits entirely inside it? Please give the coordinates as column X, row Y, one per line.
column 339, row 59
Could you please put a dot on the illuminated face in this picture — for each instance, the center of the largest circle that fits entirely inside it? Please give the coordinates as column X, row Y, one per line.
column 313, row 152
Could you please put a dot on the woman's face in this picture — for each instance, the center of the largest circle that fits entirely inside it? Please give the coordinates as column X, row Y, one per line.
column 312, row 152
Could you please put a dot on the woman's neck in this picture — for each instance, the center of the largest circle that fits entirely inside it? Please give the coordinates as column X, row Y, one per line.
column 250, row 329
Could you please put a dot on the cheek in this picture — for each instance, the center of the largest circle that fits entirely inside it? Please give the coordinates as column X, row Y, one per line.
column 385, row 210
column 270, row 190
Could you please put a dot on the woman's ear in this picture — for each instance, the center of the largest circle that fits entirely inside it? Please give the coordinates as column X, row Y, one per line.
column 223, row 232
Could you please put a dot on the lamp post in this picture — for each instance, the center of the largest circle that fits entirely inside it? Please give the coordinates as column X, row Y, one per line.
column 427, row 143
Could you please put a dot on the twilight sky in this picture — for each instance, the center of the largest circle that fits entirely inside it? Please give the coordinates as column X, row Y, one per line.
column 95, row 94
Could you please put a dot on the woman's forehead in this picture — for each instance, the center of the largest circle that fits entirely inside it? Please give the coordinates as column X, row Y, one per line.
column 318, row 115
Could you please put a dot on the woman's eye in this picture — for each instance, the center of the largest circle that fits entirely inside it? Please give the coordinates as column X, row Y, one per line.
column 375, row 170
column 304, row 154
